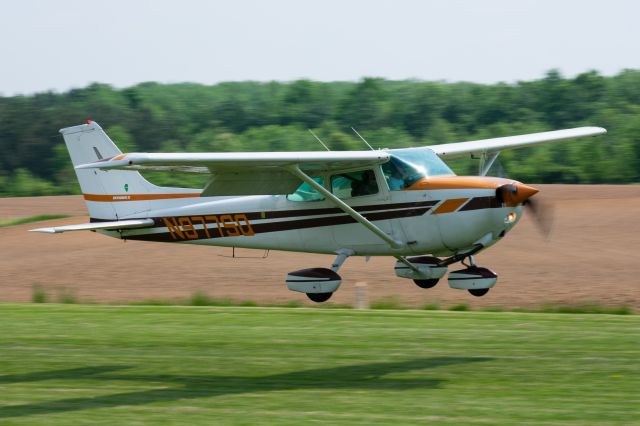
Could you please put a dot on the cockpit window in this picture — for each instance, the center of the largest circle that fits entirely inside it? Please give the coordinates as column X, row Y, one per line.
column 306, row 193
column 407, row 166
column 354, row 184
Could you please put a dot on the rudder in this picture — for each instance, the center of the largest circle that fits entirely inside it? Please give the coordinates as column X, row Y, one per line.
column 103, row 190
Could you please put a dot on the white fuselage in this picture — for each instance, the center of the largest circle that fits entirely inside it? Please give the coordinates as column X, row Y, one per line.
column 439, row 222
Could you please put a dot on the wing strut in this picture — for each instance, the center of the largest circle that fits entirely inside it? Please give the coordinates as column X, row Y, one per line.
column 486, row 161
column 294, row 169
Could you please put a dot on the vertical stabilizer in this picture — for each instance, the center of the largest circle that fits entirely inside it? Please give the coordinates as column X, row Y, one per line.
column 112, row 194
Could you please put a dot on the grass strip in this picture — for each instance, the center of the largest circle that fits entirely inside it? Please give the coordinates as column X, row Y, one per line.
column 104, row 365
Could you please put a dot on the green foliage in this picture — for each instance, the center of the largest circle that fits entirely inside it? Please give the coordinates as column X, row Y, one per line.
column 23, row 183
column 253, row 116
column 587, row 308
column 391, row 302
column 431, row 307
column 460, row 307
column 66, row 296
column 199, row 298
column 288, row 304
column 38, row 294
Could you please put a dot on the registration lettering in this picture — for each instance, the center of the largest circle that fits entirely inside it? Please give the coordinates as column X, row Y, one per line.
column 213, row 226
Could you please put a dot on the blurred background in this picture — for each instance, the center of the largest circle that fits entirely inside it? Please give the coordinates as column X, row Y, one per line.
column 248, row 76
column 251, row 75
column 255, row 76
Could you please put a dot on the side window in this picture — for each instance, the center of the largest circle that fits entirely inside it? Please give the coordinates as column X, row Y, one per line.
column 354, row 184
column 306, row 193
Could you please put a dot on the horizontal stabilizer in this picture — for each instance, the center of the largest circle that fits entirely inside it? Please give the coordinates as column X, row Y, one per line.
column 118, row 224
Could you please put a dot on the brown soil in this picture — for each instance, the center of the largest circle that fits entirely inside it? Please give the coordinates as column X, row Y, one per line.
column 591, row 257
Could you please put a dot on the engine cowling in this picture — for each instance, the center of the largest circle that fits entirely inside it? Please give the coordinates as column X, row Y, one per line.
column 472, row 278
column 427, row 266
column 313, row 280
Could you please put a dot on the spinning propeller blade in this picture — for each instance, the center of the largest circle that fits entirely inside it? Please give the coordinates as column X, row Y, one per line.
column 517, row 193
column 542, row 213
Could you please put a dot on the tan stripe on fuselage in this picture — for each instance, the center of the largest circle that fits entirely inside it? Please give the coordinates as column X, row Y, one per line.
column 111, row 198
column 450, row 205
column 458, row 182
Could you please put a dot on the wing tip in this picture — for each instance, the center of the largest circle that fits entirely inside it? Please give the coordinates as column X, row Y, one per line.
column 45, row 230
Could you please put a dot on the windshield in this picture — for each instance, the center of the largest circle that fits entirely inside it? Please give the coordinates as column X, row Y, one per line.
column 407, row 166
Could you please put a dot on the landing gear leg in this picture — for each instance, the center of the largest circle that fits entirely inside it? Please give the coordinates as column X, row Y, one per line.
column 342, row 256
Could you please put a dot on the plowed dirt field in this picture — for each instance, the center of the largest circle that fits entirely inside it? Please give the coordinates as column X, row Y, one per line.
column 592, row 257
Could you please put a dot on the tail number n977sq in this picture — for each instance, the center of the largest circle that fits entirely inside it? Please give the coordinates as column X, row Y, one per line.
column 227, row 225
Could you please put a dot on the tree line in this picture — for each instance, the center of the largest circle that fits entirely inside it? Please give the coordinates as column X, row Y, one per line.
column 276, row 116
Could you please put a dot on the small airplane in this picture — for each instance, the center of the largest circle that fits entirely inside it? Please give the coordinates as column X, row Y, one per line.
column 405, row 203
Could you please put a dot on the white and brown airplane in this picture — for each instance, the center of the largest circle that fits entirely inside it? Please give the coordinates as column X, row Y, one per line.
column 405, row 203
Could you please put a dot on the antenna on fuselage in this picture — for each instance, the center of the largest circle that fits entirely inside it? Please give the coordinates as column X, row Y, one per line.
column 318, row 139
column 363, row 139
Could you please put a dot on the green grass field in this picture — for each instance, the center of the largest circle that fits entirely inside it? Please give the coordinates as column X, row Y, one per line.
column 83, row 364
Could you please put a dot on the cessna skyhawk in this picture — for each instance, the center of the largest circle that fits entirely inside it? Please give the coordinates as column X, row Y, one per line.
column 405, row 203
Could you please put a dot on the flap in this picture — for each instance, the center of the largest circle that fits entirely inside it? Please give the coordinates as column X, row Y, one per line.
column 251, row 183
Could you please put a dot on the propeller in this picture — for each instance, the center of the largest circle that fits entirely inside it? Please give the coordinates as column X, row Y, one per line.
column 516, row 193
column 513, row 194
column 543, row 213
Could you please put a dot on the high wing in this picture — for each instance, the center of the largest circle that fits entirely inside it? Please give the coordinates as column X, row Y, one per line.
column 497, row 144
column 245, row 173
column 264, row 173
column 309, row 161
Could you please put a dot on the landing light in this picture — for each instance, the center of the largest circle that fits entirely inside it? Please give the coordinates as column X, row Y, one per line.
column 511, row 217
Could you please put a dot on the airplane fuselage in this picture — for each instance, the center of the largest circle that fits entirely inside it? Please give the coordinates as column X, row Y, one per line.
column 436, row 221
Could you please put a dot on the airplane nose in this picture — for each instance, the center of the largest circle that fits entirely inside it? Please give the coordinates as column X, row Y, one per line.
column 524, row 192
column 515, row 193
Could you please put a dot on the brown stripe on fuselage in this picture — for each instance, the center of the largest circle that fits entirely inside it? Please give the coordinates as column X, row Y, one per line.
column 279, row 214
column 282, row 214
column 478, row 203
column 287, row 225
column 391, row 211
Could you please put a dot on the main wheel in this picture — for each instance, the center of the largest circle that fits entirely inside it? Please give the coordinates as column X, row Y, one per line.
column 426, row 283
column 479, row 291
column 319, row 297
